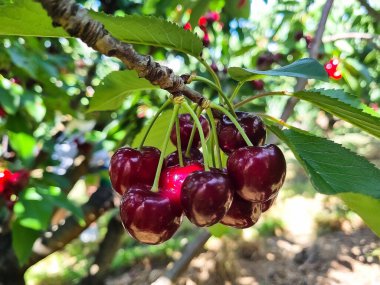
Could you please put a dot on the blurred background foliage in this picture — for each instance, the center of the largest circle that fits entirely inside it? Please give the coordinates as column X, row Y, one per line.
column 46, row 85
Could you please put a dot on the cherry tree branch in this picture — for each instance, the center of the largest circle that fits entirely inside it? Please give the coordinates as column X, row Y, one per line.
column 77, row 22
column 353, row 35
column 375, row 14
column 315, row 45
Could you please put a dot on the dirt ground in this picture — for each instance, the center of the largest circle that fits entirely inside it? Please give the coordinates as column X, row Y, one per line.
column 334, row 258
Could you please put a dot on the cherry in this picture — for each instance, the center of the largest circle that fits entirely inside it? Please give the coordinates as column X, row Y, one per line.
column 206, row 196
column 187, row 26
column 172, row 178
column 202, row 22
column 214, row 67
column 298, row 35
column 17, row 181
column 257, row 84
column 3, row 114
column 149, row 217
column 173, row 159
column 331, row 69
column 186, row 126
column 242, row 214
column 229, row 137
column 5, row 175
column 206, row 40
column 130, row 166
column 257, row 173
column 267, row 204
column 212, row 17
column 308, row 40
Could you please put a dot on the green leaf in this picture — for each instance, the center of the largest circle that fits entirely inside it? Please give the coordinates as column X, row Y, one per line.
column 332, row 168
column 9, row 100
column 157, row 133
column 28, row 18
column 219, row 230
column 198, row 9
column 344, row 106
column 23, row 239
column 237, row 9
column 302, row 68
column 24, row 144
column 366, row 207
column 151, row 31
column 34, row 106
column 115, row 87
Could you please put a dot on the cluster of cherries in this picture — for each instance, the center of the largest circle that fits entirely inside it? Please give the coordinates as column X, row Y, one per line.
column 204, row 21
column 332, row 69
column 235, row 196
column 11, row 184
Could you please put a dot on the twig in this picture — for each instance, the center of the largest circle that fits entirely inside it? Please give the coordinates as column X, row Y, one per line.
column 106, row 253
column 180, row 265
column 353, row 35
column 77, row 22
column 301, row 83
column 68, row 229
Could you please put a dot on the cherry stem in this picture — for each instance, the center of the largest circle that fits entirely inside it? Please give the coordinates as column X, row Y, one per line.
column 212, row 150
column 249, row 99
column 209, row 69
column 187, row 154
column 234, row 121
column 167, row 102
column 215, row 136
column 201, row 134
column 236, row 90
column 220, row 91
column 276, row 120
column 164, row 147
column 179, row 146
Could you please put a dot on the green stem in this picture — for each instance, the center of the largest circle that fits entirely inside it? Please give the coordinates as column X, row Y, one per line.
column 212, row 150
column 217, row 88
column 187, row 154
column 234, row 121
column 236, row 90
column 273, row 119
column 209, row 69
column 199, row 126
column 164, row 146
column 215, row 136
column 179, row 146
column 153, row 121
column 249, row 99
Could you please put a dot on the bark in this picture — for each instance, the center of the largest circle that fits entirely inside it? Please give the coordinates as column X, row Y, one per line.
column 77, row 22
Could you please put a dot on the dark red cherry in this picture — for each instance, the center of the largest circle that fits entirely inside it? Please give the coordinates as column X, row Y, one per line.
column 229, row 137
column 130, row 166
column 206, row 40
column 267, row 204
column 18, row 181
column 298, row 35
column 187, row 26
column 257, row 173
column 3, row 114
column 173, row 159
column 149, row 217
column 186, row 125
column 257, row 84
column 206, row 197
column 242, row 214
column 172, row 178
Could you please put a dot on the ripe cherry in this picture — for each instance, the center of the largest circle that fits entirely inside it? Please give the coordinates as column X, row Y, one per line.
column 172, row 178
column 257, row 173
column 187, row 26
column 149, row 217
column 331, row 69
column 130, row 166
column 206, row 197
column 206, row 40
column 202, row 22
column 3, row 114
column 298, row 35
column 257, row 84
column 186, row 126
column 18, row 181
column 242, row 214
column 212, row 17
column 173, row 159
column 230, row 138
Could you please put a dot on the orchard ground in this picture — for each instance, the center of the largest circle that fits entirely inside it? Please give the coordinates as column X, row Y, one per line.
column 307, row 238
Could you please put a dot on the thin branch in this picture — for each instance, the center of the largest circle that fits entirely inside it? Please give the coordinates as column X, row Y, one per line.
column 68, row 229
column 77, row 22
column 315, row 45
column 353, row 35
column 375, row 14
